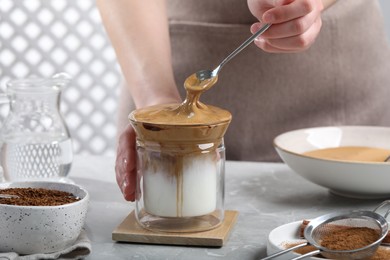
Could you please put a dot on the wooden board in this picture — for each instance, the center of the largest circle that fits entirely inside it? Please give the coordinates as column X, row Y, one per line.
column 130, row 231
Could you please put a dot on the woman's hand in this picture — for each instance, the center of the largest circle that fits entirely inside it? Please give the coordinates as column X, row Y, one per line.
column 126, row 155
column 125, row 166
column 295, row 24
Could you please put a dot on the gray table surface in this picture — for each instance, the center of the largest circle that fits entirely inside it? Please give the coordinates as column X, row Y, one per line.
column 265, row 194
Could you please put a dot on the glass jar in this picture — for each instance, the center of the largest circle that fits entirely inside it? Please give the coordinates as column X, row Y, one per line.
column 180, row 187
column 35, row 141
column 181, row 162
column 180, row 171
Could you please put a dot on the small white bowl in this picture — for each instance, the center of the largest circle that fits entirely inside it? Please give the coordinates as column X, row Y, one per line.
column 42, row 229
column 351, row 179
column 282, row 235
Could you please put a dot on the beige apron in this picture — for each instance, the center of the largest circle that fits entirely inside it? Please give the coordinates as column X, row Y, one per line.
column 343, row 79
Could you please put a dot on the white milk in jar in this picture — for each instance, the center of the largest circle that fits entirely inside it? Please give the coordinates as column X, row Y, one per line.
column 191, row 192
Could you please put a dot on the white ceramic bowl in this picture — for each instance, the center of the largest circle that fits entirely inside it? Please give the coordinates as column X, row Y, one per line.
column 282, row 235
column 42, row 229
column 351, row 179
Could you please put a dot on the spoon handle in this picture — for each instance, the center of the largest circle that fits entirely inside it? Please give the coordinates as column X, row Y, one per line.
column 241, row 47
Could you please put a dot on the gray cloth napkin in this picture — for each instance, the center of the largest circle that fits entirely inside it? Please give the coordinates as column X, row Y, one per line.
column 80, row 249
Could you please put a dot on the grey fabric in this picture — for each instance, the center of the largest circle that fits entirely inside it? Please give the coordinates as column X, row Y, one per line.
column 343, row 79
column 206, row 11
column 80, row 249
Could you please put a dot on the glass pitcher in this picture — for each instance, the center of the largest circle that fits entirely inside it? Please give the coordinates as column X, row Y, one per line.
column 35, row 141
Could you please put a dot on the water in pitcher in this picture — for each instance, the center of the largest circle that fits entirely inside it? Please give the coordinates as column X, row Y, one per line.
column 48, row 158
column 35, row 140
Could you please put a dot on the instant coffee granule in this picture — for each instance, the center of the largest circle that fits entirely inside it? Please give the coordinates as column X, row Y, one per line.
column 37, row 197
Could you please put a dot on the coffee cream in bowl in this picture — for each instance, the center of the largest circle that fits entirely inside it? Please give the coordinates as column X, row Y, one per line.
column 181, row 159
column 351, row 154
column 348, row 160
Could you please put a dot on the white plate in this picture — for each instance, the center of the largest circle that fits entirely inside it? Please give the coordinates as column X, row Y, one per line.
column 287, row 233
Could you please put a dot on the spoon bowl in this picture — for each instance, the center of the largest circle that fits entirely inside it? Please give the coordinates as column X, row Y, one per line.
column 205, row 74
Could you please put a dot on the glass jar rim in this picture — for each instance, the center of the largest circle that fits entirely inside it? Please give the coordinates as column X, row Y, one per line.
column 36, row 85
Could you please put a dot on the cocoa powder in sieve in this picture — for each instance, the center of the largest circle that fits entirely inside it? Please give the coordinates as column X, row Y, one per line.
column 345, row 238
column 305, row 222
column 37, row 197
column 349, row 238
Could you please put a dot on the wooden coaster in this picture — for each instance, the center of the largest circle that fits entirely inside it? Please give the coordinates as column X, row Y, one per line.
column 130, row 231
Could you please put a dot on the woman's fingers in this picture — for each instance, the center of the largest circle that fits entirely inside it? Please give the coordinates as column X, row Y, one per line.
column 288, row 29
column 291, row 44
column 125, row 166
column 128, row 186
column 291, row 11
column 295, row 26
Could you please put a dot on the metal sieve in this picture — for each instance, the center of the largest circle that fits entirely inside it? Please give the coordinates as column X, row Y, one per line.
column 382, row 205
column 318, row 228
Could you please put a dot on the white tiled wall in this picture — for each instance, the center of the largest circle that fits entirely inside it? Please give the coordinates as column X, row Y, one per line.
column 42, row 38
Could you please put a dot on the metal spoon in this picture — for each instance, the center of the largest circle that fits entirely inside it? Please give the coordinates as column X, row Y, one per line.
column 8, row 196
column 207, row 74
